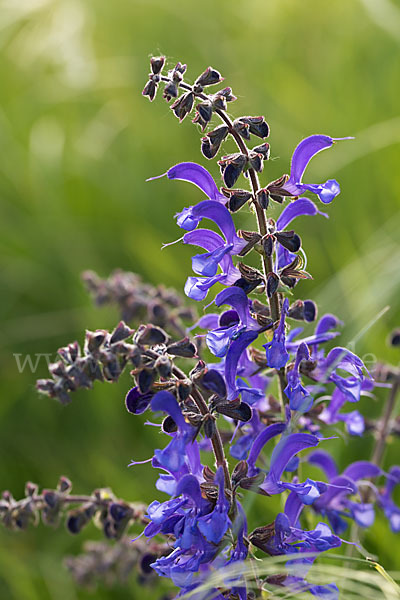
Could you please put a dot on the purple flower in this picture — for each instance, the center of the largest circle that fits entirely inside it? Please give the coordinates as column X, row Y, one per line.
column 219, row 251
column 196, row 174
column 215, row 524
column 181, row 456
column 236, row 349
column 334, row 503
column 277, row 355
column 354, row 421
column 219, row 254
column 302, row 155
column 232, row 323
column 299, row 397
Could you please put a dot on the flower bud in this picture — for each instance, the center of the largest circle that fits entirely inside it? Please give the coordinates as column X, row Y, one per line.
column 257, row 125
column 184, row 348
column 289, row 240
column 157, row 64
column 263, row 198
column 209, row 77
column 272, row 284
column 150, row 90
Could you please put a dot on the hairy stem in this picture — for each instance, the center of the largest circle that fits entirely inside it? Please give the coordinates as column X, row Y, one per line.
column 216, row 440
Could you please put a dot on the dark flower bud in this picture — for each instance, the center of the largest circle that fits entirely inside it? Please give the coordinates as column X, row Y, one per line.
column 209, row 77
column 218, row 135
column 197, row 120
column 262, row 535
column 150, row 335
column 237, row 198
column 207, row 149
column 394, row 338
column 214, row 382
column 184, row 348
column 296, row 311
column 310, row 311
column 136, row 402
column 227, row 94
column 264, row 322
column 250, row 273
column 183, row 105
column 70, row 353
column 235, row 409
column 169, row 425
column 263, row 198
column 94, row 339
column 247, row 286
column 289, row 240
column 242, row 128
column 178, row 71
column 145, row 380
column 51, row 498
column 231, row 168
column 239, row 472
column 121, row 332
column 277, row 186
column 170, row 91
column 64, row 485
column 209, row 427
column 272, row 284
column 205, row 110
column 111, row 366
column 257, row 125
column 251, row 237
column 219, row 102
column 263, row 149
column 76, row 521
column 290, row 282
column 58, row 369
column 268, row 243
column 256, row 161
column 253, row 483
column 163, row 366
column 198, row 371
column 145, row 562
column 120, row 511
column 184, row 389
column 150, row 90
column 31, row 489
column 157, row 64
column 276, row 198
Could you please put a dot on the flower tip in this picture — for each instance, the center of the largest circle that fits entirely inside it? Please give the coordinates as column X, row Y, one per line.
column 156, row 177
column 349, row 137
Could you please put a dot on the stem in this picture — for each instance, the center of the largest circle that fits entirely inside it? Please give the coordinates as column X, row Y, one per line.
column 201, row 404
column 384, row 428
column 267, row 264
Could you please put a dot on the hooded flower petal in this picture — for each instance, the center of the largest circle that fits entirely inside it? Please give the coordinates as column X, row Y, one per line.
column 234, row 353
column 196, row 174
column 302, row 155
column 302, row 206
column 277, row 355
column 190, row 217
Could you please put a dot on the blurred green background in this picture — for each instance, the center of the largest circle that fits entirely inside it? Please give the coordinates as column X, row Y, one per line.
column 77, row 143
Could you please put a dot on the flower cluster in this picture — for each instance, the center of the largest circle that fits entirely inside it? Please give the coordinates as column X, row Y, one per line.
column 205, row 514
column 245, row 400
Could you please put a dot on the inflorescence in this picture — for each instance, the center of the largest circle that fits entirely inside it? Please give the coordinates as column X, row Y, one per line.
column 246, row 384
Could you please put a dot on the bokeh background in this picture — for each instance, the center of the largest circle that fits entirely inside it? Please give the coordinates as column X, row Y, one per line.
column 77, row 143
